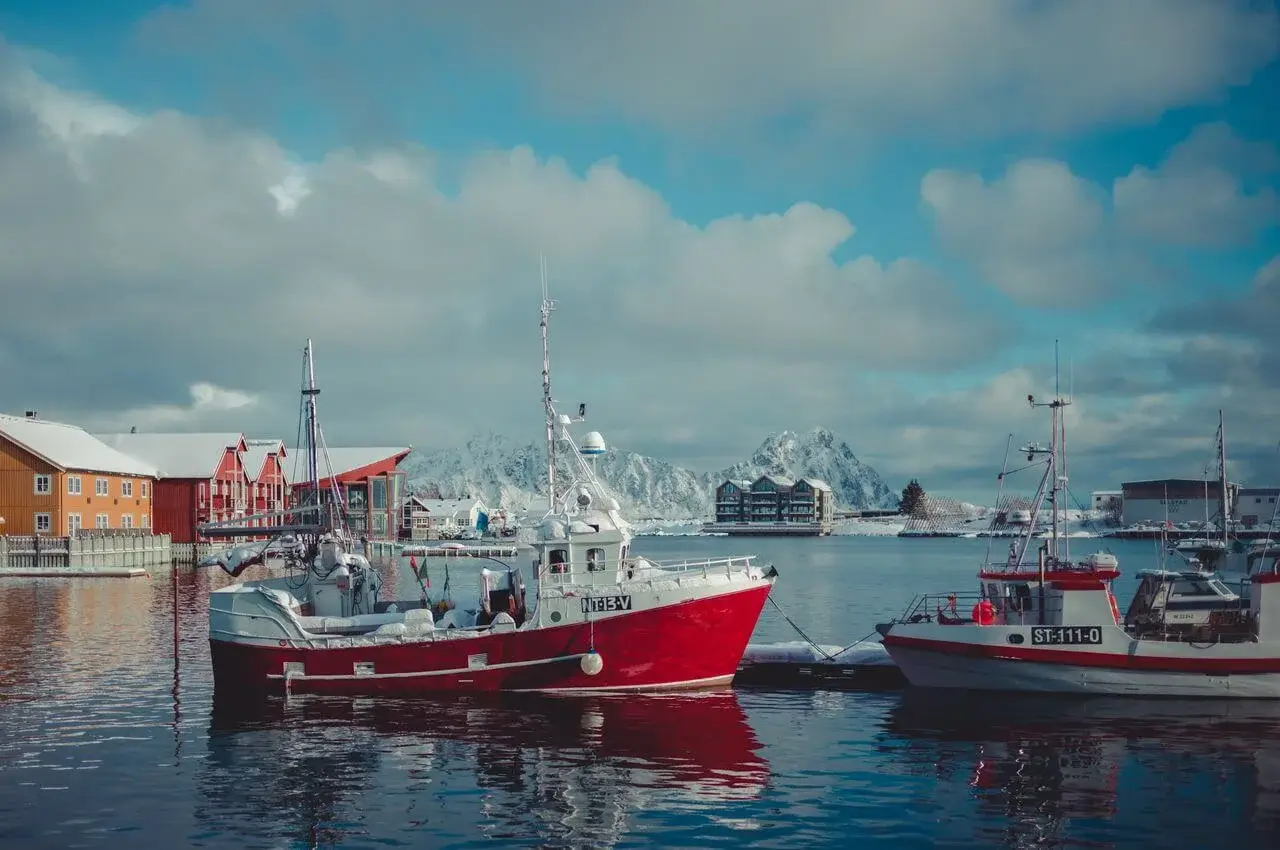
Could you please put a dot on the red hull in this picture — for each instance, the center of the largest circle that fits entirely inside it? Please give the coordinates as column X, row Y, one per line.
column 684, row 645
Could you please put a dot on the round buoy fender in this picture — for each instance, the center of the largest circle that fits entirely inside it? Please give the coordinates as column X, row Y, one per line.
column 591, row 663
column 984, row 613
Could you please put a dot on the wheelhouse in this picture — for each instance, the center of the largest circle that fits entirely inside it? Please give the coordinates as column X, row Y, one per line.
column 1168, row 601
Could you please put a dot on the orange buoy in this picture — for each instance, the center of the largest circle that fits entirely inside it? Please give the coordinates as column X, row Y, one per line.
column 984, row 613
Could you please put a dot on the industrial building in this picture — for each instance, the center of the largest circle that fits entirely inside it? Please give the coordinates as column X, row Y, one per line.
column 1180, row 501
column 1255, row 506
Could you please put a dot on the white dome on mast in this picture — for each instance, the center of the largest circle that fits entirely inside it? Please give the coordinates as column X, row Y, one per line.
column 592, row 444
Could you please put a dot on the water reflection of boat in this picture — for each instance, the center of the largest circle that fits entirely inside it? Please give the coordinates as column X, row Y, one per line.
column 1046, row 760
column 576, row 765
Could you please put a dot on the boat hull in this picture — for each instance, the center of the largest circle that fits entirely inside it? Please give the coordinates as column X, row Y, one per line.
column 1240, row 674
column 696, row 643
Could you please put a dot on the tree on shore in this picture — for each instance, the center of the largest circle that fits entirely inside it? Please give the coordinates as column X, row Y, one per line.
column 912, row 498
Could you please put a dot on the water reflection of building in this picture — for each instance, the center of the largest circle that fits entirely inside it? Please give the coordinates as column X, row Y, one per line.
column 1037, row 770
column 570, row 771
column 32, row 617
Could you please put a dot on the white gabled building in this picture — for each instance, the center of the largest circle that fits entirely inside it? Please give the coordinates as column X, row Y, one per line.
column 425, row 519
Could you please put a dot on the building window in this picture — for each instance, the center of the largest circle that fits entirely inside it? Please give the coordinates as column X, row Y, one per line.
column 144, row 489
column 44, row 485
column 100, row 487
column 73, row 485
column 100, row 521
column 126, row 521
column 126, row 488
column 73, row 524
column 202, row 494
column 146, row 521
column 44, row 523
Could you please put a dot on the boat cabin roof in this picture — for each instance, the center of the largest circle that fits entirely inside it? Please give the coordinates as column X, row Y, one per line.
column 1170, row 575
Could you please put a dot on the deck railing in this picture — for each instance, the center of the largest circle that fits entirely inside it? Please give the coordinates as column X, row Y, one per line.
column 609, row 574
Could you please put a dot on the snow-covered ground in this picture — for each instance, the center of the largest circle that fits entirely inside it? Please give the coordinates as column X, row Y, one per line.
column 1073, row 523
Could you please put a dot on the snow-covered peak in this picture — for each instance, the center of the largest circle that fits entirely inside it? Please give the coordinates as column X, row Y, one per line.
column 817, row 453
column 512, row 476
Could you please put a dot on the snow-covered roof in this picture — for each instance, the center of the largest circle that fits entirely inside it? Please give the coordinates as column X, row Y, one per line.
column 177, row 455
column 744, row 483
column 816, row 483
column 780, row 480
column 70, row 447
column 255, row 456
column 340, row 460
column 449, row 507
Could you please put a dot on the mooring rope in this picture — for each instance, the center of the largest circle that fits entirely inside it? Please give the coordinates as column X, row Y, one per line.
column 810, row 640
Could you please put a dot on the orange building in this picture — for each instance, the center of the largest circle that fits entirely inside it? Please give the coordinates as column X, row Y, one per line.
column 56, row 479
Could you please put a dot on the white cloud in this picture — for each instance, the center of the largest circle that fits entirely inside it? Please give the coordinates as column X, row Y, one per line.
column 209, row 405
column 158, row 251
column 1049, row 238
column 849, row 68
column 1036, row 233
column 175, row 250
column 1197, row 197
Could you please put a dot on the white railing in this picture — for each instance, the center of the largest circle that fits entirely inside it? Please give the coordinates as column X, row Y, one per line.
column 647, row 572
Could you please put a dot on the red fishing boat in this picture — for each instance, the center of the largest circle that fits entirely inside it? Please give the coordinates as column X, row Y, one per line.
column 596, row 617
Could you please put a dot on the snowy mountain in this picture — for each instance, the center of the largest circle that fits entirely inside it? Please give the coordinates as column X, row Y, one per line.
column 513, row 476
column 819, row 454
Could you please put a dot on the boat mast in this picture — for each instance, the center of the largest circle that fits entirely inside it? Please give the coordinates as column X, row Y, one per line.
column 309, row 393
column 1053, row 473
column 1056, row 450
column 1222, row 475
column 547, row 306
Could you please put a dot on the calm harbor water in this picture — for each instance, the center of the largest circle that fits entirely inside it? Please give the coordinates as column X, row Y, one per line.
column 109, row 737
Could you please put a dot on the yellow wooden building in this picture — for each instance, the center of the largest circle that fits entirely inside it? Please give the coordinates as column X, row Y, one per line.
column 56, row 479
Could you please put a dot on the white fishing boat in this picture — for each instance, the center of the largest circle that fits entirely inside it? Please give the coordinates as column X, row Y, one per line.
column 1044, row 621
column 599, row 618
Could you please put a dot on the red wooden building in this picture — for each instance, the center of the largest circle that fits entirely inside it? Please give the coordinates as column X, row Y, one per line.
column 264, row 468
column 369, row 483
column 201, row 478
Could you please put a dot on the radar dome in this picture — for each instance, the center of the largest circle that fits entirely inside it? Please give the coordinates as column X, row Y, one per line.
column 592, row 444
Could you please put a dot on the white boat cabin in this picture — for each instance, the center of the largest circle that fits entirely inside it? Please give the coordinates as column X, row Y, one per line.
column 1069, row 593
column 582, row 548
column 1169, row 601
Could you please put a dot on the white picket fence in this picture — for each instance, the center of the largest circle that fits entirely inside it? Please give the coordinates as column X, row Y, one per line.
column 88, row 551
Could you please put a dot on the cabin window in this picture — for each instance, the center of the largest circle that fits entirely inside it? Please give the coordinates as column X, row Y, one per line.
column 1193, row 587
column 1020, row 598
column 44, row 523
column 595, row 560
column 558, row 559
column 43, row 485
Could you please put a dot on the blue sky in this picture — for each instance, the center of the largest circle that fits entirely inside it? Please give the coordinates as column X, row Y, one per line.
column 1012, row 173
